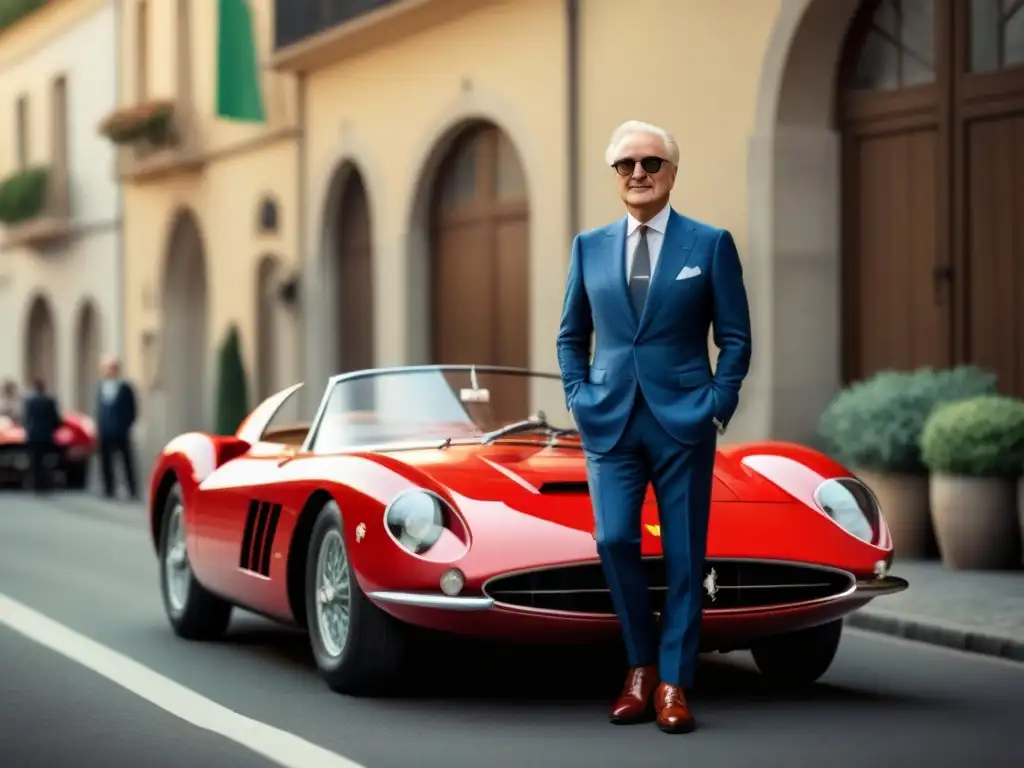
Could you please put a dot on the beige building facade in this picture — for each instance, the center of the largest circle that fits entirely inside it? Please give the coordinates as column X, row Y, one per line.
column 60, row 245
column 848, row 145
column 436, row 157
column 427, row 102
column 211, row 219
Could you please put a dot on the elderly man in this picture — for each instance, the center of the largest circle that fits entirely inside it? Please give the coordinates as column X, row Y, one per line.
column 115, row 415
column 650, row 286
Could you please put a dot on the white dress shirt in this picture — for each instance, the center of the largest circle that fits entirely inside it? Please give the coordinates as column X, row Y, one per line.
column 655, row 237
column 109, row 389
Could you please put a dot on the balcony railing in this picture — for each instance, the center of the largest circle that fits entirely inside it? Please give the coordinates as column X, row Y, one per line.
column 44, row 218
column 298, row 20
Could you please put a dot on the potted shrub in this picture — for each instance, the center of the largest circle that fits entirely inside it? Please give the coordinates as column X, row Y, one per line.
column 23, row 195
column 232, row 388
column 874, row 428
column 151, row 122
column 974, row 450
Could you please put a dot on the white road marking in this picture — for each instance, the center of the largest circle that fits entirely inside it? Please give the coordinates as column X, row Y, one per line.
column 285, row 749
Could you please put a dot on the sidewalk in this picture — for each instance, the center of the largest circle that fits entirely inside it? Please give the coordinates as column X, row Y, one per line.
column 978, row 611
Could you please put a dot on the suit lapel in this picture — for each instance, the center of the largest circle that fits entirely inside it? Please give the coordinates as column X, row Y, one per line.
column 615, row 267
column 676, row 253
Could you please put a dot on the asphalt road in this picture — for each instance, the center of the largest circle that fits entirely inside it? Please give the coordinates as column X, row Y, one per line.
column 89, row 567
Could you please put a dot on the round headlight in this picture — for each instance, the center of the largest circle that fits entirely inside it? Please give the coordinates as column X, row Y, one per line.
column 852, row 505
column 416, row 520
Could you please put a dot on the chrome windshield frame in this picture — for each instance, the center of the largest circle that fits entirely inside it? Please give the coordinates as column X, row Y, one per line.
column 341, row 378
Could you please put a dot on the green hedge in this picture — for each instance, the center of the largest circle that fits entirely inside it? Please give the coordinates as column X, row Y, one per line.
column 23, row 195
column 232, row 388
column 12, row 11
column 876, row 424
column 979, row 437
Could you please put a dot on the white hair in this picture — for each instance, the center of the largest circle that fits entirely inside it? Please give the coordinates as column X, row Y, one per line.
column 632, row 128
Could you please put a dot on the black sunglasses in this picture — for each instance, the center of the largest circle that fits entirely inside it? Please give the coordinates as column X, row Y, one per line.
column 626, row 166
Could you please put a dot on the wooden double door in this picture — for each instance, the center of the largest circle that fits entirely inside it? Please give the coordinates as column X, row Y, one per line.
column 931, row 109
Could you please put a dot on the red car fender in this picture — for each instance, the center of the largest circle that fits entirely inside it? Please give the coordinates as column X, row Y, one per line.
column 188, row 460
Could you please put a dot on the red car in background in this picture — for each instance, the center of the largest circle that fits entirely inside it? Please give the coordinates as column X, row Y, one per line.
column 454, row 498
column 74, row 446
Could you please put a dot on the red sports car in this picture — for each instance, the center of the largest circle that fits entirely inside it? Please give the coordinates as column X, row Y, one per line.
column 74, row 446
column 450, row 498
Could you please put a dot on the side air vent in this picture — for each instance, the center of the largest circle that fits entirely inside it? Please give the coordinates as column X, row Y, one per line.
column 567, row 486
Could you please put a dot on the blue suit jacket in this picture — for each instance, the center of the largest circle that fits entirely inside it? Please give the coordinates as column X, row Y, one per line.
column 115, row 419
column 41, row 417
column 664, row 352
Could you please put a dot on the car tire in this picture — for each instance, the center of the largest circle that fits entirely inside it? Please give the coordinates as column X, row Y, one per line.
column 193, row 611
column 798, row 658
column 364, row 656
column 77, row 475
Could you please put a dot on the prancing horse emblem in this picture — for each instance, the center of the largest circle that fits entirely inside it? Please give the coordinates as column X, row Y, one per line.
column 711, row 584
column 360, row 532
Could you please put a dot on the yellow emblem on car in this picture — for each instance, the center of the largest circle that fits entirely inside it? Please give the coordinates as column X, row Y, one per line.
column 654, row 530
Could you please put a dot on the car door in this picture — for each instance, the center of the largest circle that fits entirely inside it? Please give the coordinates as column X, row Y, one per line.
column 243, row 504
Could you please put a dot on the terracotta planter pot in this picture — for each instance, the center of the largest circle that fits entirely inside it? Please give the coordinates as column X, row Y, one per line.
column 975, row 521
column 904, row 502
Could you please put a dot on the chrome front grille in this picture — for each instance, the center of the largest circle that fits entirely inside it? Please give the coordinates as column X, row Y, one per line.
column 728, row 584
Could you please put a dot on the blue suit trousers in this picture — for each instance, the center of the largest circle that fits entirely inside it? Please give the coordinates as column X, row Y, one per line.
column 682, row 476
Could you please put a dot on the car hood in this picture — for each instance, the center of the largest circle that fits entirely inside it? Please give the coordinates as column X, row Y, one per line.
column 534, row 499
column 499, row 472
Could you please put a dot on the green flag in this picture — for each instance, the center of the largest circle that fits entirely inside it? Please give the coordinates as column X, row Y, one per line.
column 238, row 74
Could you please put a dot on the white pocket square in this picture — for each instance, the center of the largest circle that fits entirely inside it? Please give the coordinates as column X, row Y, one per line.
column 687, row 272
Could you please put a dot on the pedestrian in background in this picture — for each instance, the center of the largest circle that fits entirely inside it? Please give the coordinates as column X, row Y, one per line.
column 115, row 416
column 41, row 418
column 650, row 287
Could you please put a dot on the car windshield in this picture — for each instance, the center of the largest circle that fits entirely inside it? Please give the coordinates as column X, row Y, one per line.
column 438, row 403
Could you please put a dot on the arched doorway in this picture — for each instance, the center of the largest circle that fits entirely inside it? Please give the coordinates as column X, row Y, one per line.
column 933, row 183
column 480, row 277
column 184, row 347
column 353, row 273
column 41, row 344
column 87, row 356
column 267, row 337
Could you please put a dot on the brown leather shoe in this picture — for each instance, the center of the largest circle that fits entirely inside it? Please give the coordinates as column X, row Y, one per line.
column 634, row 704
column 673, row 714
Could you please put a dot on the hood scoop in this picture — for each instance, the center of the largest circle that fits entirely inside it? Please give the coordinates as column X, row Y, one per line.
column 564, row 486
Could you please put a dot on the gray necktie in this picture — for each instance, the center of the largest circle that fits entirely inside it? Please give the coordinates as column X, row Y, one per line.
column 640, row 273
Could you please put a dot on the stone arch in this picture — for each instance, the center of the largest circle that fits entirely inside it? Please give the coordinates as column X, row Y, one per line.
column 40, row 358
column 185, row 308
column 88, row 345
column 473, row 106
column 793, row 256
column 347, row 269
column 422, row 261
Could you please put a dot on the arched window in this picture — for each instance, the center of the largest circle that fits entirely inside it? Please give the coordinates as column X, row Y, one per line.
column 267, row 222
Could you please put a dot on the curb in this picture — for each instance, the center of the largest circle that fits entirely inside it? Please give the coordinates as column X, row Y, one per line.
column 936, row 633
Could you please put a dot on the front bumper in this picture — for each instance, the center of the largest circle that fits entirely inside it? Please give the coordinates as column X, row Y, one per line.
column 879, row 587
column 433, row 600
column 865, row 589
